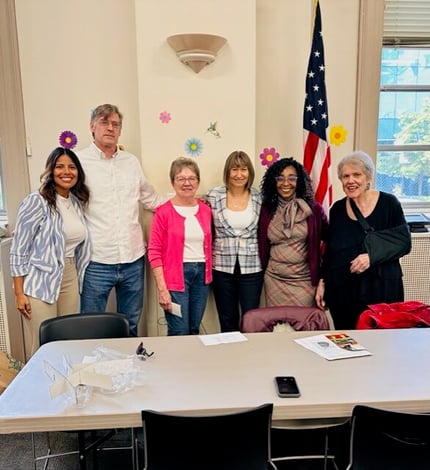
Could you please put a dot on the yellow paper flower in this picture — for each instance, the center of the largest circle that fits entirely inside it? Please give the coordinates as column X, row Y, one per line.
column 338, row 135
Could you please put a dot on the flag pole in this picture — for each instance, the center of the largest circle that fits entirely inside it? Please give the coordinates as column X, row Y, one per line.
column 317, row 157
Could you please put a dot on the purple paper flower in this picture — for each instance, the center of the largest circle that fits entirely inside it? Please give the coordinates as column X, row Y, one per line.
column 68, row 139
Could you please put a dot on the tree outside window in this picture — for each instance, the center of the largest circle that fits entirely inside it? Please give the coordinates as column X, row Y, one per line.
column 403, row 157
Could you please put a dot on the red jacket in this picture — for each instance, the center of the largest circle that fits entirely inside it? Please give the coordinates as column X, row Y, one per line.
column 395, row 315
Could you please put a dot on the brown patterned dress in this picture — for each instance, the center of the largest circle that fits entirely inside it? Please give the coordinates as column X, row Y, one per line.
column 287, row 280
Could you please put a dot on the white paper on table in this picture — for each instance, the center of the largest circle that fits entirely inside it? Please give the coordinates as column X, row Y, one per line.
column 324, row 347
column 222, row 338
column 176, row 310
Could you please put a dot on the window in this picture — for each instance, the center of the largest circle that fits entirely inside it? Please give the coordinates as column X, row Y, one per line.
column 403, row 145
column 403, row 156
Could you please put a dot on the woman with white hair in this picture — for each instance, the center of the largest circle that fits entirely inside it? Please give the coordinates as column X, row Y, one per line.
column 351, row 278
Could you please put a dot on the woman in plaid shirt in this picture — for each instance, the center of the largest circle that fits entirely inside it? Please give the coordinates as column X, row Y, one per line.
column 237, row 272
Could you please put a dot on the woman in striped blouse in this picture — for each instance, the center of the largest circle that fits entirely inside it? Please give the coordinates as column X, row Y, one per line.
column 50, row 247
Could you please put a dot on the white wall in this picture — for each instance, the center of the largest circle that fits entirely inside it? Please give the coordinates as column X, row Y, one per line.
column 77, row 54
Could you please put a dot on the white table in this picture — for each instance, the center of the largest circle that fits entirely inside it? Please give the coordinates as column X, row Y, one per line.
column 184, row 376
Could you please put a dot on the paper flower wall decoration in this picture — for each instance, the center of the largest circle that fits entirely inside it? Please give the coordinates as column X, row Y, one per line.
column 269, row 156
column 68, row 139
column 165, row 117
column 193, row 147
column 338, row 135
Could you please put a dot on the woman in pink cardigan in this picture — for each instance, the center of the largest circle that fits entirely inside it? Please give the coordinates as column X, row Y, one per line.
column 180, row 251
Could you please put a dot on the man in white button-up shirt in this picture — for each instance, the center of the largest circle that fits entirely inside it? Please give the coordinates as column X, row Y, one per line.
column 117, row 186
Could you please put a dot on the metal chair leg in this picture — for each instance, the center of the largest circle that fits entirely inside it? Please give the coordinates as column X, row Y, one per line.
column 82, row 451
column 45, row 457
column 135, row 450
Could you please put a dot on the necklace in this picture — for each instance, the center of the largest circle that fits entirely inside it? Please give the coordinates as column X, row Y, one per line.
column 238, row 202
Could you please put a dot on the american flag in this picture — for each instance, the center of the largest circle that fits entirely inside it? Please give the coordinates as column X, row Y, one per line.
column 315, row 119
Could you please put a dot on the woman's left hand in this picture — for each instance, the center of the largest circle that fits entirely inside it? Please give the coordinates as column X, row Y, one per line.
column 360, row 264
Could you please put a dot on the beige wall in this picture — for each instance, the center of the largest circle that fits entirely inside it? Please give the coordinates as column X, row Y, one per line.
column 85, row 52
column 77, row 54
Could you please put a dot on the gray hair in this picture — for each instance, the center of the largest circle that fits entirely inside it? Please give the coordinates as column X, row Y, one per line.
column 104, row 111
column 360, row 159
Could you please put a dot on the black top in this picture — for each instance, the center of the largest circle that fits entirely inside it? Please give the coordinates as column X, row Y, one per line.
column 347, row 294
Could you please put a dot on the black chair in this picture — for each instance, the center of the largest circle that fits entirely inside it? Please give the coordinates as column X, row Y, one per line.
column 235, row 441
column 84, row 326
column 392, row 440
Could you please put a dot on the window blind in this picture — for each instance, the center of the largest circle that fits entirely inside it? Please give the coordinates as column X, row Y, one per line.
column 407, row 22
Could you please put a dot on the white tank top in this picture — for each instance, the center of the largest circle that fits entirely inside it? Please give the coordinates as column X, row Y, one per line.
column 73, row 227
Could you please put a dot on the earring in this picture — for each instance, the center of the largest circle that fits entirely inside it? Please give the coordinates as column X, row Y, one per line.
column 368, row 186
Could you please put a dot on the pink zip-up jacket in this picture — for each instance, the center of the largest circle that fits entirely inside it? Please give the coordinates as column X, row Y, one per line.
column 166, row 243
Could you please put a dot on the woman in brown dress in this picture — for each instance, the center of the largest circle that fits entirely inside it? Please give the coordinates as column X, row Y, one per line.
column 291, row 227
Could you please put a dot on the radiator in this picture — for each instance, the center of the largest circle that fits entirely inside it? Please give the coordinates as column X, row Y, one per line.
column 11, row 337
column 416, row 269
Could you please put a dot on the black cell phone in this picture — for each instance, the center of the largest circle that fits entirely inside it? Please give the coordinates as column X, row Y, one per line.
column 286, row 387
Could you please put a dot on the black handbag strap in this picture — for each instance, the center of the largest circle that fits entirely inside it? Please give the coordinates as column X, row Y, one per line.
column 363, row 222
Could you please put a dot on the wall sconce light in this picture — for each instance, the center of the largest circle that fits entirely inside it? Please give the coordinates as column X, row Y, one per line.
column 196, row 50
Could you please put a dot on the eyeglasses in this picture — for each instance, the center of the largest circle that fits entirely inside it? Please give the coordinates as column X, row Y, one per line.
column 290, row 179
column 105, row 123
column 142, row 353
column 182, row 180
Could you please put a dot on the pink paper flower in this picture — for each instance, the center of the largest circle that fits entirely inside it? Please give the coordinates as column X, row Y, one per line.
column 269, row 156
column 165, row 117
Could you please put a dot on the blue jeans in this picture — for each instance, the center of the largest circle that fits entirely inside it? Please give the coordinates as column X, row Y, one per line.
column 234, row 295
column 192, row 302
column 126, row 278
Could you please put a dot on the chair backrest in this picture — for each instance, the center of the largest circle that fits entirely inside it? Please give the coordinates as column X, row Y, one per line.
column 385, row 439
column 84, row 326
column 235, row 441
column 263, row 319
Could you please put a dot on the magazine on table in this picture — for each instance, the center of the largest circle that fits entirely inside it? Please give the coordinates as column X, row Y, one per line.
column 332, row 346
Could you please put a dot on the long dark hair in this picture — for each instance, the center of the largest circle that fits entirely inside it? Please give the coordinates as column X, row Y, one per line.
column 268, row 186
column 47, row 189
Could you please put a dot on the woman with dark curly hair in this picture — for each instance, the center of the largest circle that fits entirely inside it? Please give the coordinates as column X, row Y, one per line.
column 292, row 226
